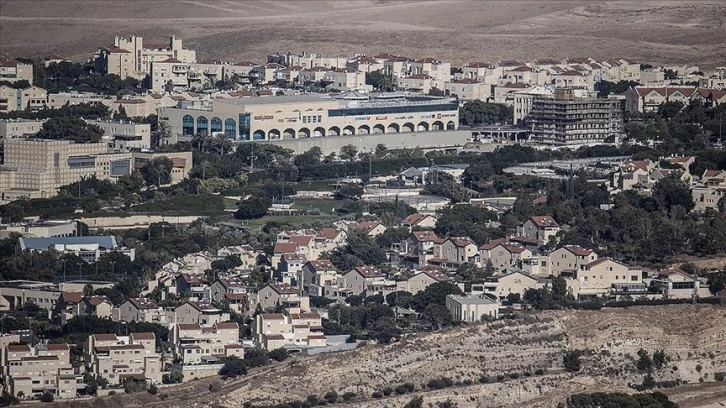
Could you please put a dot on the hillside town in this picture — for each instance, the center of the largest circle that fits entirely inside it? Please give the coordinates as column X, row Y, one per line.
column 167, row 219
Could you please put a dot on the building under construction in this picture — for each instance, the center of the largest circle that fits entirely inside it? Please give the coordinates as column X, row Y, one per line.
column 564, row 119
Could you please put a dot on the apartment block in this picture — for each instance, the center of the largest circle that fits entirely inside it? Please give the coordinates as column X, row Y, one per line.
column 36, row 168
column 565, row 120
column 125, row 135
column 121, row 358
column 294, row 332
column 11, row 128
column 15, row 71
column 31, row 98
column 29, row 372
column 206, row 344
column 132, row 57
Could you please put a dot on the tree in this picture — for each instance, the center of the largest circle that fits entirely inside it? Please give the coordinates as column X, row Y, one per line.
column 11, row 213
column 478, row 112
column 222, row 140
column 434, row 294
column 659, row 359
column 471, row 272
column 348, row 152
column 163, row 133
column 253, row 208
column 438, row 315
column 233, row 367
column 349, row 192
column 379, row 81
column 416, row 402
column 311, row 157
column 70, row 128
column 279, row 354
column 644, row 363
column 571, row 361
column 672, row 191
column 157, row 171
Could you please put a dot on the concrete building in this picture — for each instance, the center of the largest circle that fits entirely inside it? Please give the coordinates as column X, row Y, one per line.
column 15, row 294
column 31, row 98
column 472, row 308
column 131, row 57
column 304, row 116
column 15, row 71
column 36, row 168
column 11, row 128
column 541, row 228
column 29, row 372
column 285, row 296
column 596, row 278
column 569, row 258
column 125, row 135
column 88, row 248
column 140, row 310
column 42, row 228
column 294, row 332
column 121, row 358
column 467, row 89
column 565, row 120
column 205, row 344
column 181, row 163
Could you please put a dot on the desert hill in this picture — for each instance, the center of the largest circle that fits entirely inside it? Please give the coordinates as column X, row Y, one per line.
column 658, row 31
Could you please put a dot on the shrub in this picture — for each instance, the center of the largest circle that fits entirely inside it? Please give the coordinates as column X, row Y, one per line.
column 719, row 376
column 387, row 391
column 153, row 390
column 416, row 402
column 215, row 386
column 312, row 400
column 234, row 367
column 500, row 377
column 539, row 371
column 572, row 361
column 331, row 397
column 279, row 354
column 648, row 382
column 47, row 397
column 466, row 382
column 513, row 376
column 409, row 387
column 699, row 368
column 484, row 379
column 348, row 396
column 400, row 390
column 377, row 394
column 111, row 393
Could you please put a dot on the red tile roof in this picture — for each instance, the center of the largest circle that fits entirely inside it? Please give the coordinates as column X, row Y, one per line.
column 493, row 244
column 273, row 316
column 71, row 297
column 368, row 272
column 578, row 250
column 544, row 221
column 143, row 336
column 285, row 248
column 227, row 325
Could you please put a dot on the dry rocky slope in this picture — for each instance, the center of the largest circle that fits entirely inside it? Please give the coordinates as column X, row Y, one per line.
column 691, row 335
column 658, row 31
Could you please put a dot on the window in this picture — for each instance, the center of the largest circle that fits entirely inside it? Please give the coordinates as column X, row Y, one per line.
column 230, row 128
column 216, row 125
column 188, row 125
column 202, row 123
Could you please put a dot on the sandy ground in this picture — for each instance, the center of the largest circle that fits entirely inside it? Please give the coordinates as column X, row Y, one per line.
column 656, row 31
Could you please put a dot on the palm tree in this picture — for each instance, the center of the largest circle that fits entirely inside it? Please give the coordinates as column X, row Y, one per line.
column 201, row 139
column 222, row 140
column 164, row 131
column 204, row 166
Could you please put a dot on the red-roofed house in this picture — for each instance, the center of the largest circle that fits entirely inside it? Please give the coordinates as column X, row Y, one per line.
column 541, row 228
column 294, row 331
column 419, row 220
column 316, row 274
column 196, row 344
column 373, row 228
column 422, row 279
column 568, row 258
column 288, row 297
column 506, row 256
column 596, row 278
column 360, row 277
column 459, row 250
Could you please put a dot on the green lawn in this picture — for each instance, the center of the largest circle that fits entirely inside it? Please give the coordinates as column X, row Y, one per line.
column 325, row 206
column 202, row 205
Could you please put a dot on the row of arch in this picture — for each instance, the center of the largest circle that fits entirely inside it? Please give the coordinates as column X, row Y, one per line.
column 377, row 129
column 204, row 125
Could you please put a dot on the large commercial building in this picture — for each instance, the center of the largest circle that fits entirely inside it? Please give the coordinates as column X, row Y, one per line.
column 36, row 168
column 303, row 116
column 562, row 119
column 125, row 134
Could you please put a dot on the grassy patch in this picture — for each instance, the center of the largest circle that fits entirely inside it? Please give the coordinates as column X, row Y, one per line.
column 204, row 205
column 325, row 206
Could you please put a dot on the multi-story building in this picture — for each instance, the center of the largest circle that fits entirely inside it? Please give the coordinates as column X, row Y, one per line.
column 295, row 331
column 303, row 116
column 16, row 71
column 565, row 120
column 139, row 310
column 710, row 190
column 181, row 163
column 288, row 297
column 569, row 258
column 541, row 228
column 121, row 358
column 131, row 57
column 43, row 228
column 36, row 168
column 88, row 248
column 200, row 344
column 29, row 372
column 125, row 135
column 31, row 98
column 467, row 89
column 11, row 128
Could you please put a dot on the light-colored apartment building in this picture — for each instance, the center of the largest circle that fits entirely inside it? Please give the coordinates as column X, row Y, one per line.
column 285, row 296
column 15, row 71
column 29, row 372
column 31, row 98
column 15, row 294
column 132, row 57
column 124, row 134
column 36, row 168
column 11, row 128
column 120, row 358
column 293, row 331
column 303, row 116
column 467, row 89
column 204, row 344
column 596, row 278
column 88, row 248
column 568, row 258
column 472, row 308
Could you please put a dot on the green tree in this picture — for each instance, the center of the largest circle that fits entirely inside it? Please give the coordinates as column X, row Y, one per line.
column 571, row 360
column 70, row 128
column 157, row 171
column 348, row 152
column 478, row 112
column 644, row 362
column 437, row 315
column 312, row 157
column 253, row 208
column 279, row 354
column 233, row 367
column 670, row 192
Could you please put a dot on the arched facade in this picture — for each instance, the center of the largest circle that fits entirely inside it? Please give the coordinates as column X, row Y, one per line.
column 334, row 131
column 230, row 128
column 393, row 128
column 364, row 130
column 378, row 129
column 188, row 125
column 348, row 130
column 273, row 134
column 450, row 125
column 258, row 135
column 438, row 125
column 303, row 132
column 407, row 127
column 202, row 125
column 288, row 134
column 422, row 126
column 215, row 125
column 319, row 132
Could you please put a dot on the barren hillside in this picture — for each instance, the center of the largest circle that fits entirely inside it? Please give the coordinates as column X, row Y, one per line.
column 456, row 30
column 691, row 335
